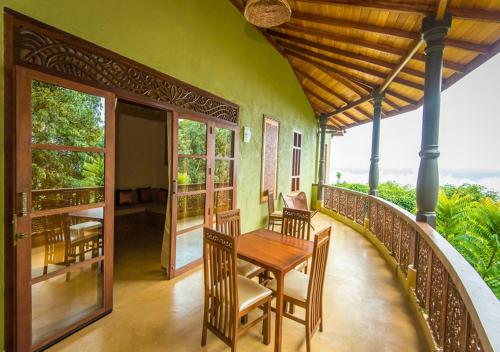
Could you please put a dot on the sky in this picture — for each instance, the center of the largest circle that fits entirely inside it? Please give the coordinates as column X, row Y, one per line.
column 469, row 137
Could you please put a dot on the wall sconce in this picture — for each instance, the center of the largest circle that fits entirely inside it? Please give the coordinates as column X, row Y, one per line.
column 246, row 134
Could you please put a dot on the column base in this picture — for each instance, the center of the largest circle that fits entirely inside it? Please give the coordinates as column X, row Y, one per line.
column 427, row 216
column 373, row 192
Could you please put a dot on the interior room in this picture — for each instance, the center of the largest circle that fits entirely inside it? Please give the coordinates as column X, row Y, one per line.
column 141, row 190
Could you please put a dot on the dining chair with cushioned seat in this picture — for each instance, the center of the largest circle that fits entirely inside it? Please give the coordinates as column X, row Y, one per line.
column 228, row 223
column 229, row 296
column 297, row 223
column 306, row 291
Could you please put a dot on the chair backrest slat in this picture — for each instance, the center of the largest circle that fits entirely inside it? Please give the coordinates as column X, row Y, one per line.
column 317, row 277
column 270, row 201
column 221, row 298
column 296, row 223
column 228, row 222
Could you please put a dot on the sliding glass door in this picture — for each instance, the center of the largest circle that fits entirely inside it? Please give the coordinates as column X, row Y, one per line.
column 204, row 173
column 64, row 206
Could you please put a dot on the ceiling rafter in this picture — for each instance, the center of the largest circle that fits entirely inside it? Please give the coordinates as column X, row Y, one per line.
column 350, row 66
column 330, row 91
column 393, row 50
column 395, row 32
column 335, row 51
column 350, row 82
column 330, row 104
column 418, row 9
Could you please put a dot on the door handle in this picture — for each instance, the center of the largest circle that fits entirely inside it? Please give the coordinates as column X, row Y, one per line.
column 174, row 186
column 22, row 204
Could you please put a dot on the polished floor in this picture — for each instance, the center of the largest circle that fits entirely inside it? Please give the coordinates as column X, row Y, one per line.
column 365, row 309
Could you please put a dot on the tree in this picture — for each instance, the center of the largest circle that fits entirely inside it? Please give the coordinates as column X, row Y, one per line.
column 481, row 244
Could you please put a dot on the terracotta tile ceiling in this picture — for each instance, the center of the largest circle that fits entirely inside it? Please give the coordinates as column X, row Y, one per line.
column 342, row 50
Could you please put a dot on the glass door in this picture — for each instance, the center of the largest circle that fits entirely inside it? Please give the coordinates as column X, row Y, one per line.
column 223, row 190
column 64, row 206
column 190, row 166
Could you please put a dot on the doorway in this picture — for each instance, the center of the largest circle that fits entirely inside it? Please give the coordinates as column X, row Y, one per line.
column 204, row 169
column 64, row 214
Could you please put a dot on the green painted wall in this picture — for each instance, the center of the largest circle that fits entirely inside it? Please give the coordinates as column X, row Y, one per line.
column 208, row 44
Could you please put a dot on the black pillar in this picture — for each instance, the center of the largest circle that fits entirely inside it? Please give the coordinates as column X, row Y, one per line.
column 375, row 157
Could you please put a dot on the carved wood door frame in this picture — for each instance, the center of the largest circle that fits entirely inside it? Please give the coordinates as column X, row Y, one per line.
column 38, row 46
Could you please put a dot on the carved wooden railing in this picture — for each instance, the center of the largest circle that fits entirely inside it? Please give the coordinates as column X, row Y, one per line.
column 461, row 312
column 65, row 197
column 351, row 204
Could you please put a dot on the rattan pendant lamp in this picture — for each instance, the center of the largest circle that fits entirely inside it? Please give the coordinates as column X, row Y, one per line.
column 267, row 13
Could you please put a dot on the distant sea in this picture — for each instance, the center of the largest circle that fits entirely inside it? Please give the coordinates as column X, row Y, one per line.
column 488, row 179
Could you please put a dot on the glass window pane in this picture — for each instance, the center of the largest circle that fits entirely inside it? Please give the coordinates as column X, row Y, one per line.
column 66, row 178
column 224, row 142
column 61, row 240
column 191, row 174
column 192, row 137
column 190, row 211
column 64, row 300
column 223, row 176
column 189, row 247
column 223, row 201
column 66, row 117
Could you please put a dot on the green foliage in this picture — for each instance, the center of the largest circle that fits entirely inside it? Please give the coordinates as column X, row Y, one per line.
column 66, row 117
column 183, row 178
column 401, row 195
column 474, row 191
column 451, row 212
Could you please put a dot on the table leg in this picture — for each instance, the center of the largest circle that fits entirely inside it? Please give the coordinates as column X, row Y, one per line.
column 279, row 311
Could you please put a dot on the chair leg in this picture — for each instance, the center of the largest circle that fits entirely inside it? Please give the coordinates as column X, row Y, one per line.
column 267, row 324
column 308, row 340
column 204, row 329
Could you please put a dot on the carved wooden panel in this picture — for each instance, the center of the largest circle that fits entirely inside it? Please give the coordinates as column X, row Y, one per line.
column 373, row 216
column 396, row 238
column 388, row 230
column 406, row 237
column 350, row 206
column 342, row 203
column 455, row 321
column 62, row 54
column 360, row 210
column 423, row 270
column 327, row 197
column 269, row 176
column 473, row 342
column 335, row 200
column 437, row 299
column 380, row 223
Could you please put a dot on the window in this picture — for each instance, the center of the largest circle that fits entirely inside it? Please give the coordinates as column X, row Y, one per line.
column 296, row 151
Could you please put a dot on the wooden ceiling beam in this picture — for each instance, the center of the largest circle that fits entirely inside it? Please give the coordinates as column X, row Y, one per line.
column 352, row 105
column 328, row 90
column 344, row 53
column 241, row 8
column 330, row 104
column 404, row 98
column 393, row 50
column 417, row 9
column 357, row 86
column 395, row 32
column 350, row 66
column 404, row 61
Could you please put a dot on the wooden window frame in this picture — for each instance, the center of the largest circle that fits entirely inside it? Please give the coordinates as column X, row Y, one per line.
column 296, row 160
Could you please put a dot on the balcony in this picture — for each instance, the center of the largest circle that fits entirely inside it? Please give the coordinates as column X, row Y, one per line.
column 362, row 299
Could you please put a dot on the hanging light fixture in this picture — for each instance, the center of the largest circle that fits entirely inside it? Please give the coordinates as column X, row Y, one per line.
column 267, row 13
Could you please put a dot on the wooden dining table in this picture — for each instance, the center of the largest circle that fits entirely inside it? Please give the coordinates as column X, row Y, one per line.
column 279, row 254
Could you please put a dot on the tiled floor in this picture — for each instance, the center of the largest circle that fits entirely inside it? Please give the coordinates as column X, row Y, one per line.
column 365, row 309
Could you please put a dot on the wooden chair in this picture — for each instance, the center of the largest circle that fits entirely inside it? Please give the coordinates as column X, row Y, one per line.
column 298, row 201
column 275, row 217
column 228, row 296
column 296, row 223
column 228, row 223
column 306, row 291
